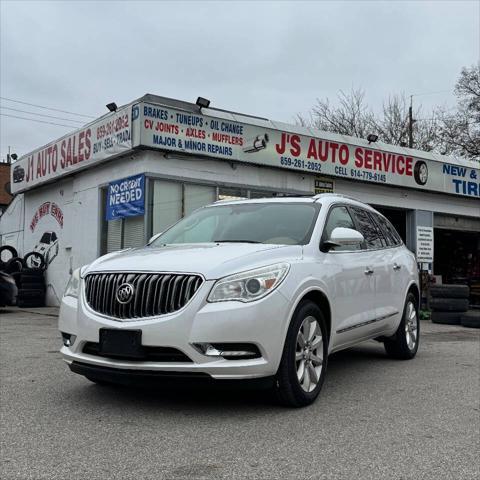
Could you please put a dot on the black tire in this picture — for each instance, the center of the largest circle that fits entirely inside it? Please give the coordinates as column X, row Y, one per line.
column 33, row 286
column 31, row 293
column 37, row 255
column 397, row 345
column 447, row 318
column 471, row 319
column 17, row 277
column 34, row 271
column 7, row 248
column 15, row 264
column 287, row 385
column 449, row 291
column 31, row 278
column 449, row 304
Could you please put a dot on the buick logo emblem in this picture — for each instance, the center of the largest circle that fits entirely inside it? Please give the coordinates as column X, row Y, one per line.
column 124, row 293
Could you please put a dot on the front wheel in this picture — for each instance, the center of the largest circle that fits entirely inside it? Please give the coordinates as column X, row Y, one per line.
column 303, row 366
column 404, row 344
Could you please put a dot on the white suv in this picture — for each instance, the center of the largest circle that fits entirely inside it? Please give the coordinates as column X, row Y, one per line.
column 254, row 289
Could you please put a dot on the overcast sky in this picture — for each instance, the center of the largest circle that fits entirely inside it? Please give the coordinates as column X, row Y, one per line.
column 271, row 59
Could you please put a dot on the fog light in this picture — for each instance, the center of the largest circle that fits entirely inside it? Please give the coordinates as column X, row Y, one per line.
column 68, row 339
column 229, row 351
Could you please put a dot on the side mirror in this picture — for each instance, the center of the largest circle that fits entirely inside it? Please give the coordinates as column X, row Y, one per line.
column 152, row 239
column 341, row 237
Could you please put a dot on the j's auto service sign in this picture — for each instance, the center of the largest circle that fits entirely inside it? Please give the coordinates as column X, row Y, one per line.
column 97, row 141
column 280, row 145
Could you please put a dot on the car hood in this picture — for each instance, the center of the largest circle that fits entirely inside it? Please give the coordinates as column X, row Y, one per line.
column 211, row 260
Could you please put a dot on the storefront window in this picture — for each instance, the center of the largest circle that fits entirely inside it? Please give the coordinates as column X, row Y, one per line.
column 167, row 204
column 196, row 196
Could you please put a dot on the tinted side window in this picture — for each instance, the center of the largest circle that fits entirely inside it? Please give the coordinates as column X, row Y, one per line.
column 389, row 231
column 367, row 228
column 339, row 217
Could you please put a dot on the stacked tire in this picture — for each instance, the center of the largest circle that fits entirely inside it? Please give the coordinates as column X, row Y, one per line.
column 31, row 290
column 471, row 319
column 29, row 275
column 449, row 303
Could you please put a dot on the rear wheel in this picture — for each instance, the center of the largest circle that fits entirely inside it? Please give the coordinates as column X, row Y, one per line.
column 404, row 344
column 302, row 369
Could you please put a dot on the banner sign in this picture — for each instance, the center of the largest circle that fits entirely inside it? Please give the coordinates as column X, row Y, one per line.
column 126, row 198
column 263, row 142
column 425, row 244
column 224, row 135
column 104, row 138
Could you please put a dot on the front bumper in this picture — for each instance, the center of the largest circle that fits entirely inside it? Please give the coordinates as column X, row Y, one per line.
column 262, row 323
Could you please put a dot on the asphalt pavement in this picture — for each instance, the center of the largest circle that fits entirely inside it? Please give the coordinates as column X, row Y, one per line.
column 376, row 418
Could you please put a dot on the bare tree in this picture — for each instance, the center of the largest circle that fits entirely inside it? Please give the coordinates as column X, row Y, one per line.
column 351, row 116
column 460, row 131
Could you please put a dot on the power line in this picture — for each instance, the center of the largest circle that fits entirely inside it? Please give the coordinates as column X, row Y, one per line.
column 38, row 121
column 46, row 108
column 42, row 115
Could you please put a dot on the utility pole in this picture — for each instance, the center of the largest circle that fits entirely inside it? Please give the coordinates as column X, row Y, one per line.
column 410, row 123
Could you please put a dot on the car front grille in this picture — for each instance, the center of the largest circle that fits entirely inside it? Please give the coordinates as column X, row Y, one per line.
column 153, row 293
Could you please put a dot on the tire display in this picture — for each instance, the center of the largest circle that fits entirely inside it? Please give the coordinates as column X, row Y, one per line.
column 471, row 319
column 34, row 258
column 449, row 291
column 29, row 275
column 447, row 318
column 13, row 254
column 449, row 303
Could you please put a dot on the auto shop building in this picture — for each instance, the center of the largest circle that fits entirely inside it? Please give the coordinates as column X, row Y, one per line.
column 133, row 172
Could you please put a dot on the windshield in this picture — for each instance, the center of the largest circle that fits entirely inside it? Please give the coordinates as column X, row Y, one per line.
column 277, row 223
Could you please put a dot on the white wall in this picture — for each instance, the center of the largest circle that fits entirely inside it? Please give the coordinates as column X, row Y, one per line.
column 11, row 224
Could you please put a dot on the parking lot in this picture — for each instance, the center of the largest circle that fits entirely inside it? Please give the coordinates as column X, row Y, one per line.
column 376, row 417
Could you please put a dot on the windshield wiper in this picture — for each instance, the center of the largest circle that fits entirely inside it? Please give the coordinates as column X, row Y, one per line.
column 236, row 241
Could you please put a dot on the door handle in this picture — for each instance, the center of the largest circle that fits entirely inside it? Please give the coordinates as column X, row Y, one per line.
column 368, row 271
column 396, row 266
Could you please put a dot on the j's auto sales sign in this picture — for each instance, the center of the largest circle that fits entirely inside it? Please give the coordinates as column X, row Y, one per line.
column 286, row 146
column 97, row 141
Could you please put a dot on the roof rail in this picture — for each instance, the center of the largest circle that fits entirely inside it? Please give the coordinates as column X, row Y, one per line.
column 341, row 195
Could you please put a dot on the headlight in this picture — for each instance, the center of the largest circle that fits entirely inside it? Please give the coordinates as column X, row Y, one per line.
column 249, row 286
column 73, row 284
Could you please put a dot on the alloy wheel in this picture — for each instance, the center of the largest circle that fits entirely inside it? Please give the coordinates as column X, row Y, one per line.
column 309, row 354
column 411, row 326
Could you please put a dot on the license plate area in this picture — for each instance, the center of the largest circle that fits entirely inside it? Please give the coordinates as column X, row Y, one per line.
column 121, row 343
